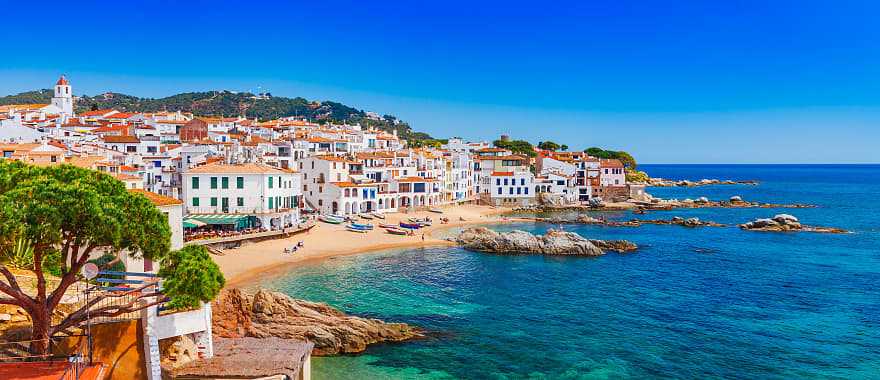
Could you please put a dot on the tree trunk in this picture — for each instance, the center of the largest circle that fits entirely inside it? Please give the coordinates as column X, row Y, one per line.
column 42, row 321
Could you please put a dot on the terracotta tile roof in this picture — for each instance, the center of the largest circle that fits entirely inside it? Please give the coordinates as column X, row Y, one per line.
column 610, row 163
column 249, row 168
column 48, row 371
column 498, row 158
column 157, row 199
column 374, row 155
column 111, row 128
column 328, row 157
column 491, row 150
column 125, row 177
column 121, row 140
column 84, row 161
column 121, row 115
column 22, row 107
column 97, row 113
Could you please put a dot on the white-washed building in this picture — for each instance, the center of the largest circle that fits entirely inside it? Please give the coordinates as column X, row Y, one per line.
column 258, row 195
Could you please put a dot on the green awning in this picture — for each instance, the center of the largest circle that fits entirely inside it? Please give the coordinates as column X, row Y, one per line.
column 192, row 223
column 240, row 221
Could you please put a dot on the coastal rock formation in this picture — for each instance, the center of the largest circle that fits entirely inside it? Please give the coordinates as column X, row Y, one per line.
column 550, row 199
column 586, row 219
column 619, row 246
column 267, row 314
column 785, row 223
column 661, row 182
column 656, row 204
column 554, row 242
column 677, row 220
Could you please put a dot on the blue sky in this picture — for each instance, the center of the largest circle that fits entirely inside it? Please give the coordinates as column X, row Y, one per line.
column 669, row 81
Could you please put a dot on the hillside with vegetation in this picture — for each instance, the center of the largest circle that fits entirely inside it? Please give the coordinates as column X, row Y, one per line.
column 227, row 104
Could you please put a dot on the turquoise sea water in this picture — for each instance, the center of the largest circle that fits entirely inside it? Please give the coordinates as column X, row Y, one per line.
column 691, row 303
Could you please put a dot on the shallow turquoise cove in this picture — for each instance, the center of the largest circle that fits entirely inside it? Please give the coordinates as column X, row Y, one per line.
column 691, row 303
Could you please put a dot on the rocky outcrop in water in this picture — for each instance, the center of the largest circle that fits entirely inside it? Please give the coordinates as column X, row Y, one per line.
column 659, row 204
column 661, row 182
column 272, row 314
column 554, row 242
column 786, row 223
column 586, row 219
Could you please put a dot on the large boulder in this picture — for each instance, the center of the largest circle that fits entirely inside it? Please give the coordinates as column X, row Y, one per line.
column 271, row 314
column 554, row 242
column 550, row 199
column 762, row 223
column 785, row 219
column 586, row 219
column 692, row 222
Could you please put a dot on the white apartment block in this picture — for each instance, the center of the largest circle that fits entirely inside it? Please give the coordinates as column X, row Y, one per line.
column 503, row 179
column 271, row 196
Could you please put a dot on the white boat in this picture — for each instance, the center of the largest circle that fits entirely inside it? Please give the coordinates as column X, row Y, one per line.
column 378, row 215
column 365, row 216
column 436, row 210
column 422, row 222
column 331, row 219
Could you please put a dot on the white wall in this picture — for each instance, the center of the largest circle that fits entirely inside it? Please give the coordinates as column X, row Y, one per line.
column 255, row 192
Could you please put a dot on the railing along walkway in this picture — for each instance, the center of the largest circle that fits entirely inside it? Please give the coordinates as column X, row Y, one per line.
column 256, row 235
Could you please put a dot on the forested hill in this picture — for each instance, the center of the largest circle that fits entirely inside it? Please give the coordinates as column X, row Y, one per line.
column 227, row 103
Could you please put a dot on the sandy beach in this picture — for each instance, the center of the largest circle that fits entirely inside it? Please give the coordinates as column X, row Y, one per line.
column 258, row 260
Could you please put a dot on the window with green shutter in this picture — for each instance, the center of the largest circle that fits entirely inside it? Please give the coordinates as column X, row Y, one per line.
column 195, row 183
column 240, row 202
column 214, row 201
column 270, row 185
column 224, row 183
column 271, row 200
column 213, row 182
column 239, row 183
column 195, row 201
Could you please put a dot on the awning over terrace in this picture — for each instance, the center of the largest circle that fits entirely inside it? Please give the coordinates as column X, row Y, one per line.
column 239, row 221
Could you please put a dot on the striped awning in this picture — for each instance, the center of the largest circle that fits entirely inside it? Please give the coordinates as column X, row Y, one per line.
column 218, row 219
column 192, row 223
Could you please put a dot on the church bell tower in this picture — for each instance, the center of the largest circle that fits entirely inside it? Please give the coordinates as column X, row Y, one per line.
column 63, row 98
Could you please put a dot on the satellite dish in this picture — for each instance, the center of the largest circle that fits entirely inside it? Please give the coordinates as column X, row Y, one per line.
column 89, row 271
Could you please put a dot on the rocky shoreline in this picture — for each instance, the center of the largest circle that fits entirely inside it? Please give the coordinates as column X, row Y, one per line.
column 554, row 242
column 786, row 223
column 272, row 314
column 674, row 221
column 778, row 223
column 662, row 182
column 659, row 204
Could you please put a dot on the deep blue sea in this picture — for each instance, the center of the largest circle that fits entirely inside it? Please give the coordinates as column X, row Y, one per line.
column 690, row 303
